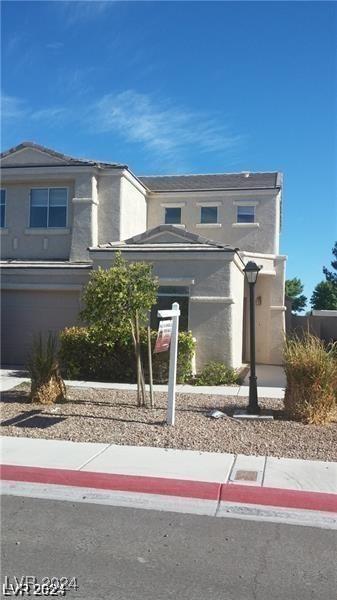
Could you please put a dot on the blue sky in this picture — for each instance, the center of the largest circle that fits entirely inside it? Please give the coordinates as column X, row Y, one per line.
column 188, row 87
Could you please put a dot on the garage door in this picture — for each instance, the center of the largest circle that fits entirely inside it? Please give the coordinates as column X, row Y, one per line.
column 25, row 314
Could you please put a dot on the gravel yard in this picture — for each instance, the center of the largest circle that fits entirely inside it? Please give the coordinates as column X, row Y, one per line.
column 91, row 415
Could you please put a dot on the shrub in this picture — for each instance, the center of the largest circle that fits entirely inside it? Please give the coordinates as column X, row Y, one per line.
column 86, row 353
column 311, row 371
column 47, row 385
column 216, row 373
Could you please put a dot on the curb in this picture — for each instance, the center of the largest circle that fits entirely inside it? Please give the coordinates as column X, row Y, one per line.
column 198, row 490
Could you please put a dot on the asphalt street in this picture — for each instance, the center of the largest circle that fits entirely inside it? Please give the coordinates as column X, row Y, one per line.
column 132, row 554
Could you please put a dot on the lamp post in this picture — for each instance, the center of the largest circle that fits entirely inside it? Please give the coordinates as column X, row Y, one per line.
column 251, row 271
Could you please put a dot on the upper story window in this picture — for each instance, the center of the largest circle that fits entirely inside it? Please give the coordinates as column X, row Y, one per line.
column 3, row 209
column 172, row 216
column 246, row 214
column 48, row 207
column 209, row 214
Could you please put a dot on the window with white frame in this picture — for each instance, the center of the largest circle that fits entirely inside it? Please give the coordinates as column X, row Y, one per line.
column 172, row 215
column 209, row 214
column 48, row 207
column 3, row 209
column 245, row 214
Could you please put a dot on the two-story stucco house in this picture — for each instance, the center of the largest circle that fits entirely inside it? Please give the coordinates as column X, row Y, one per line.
column 61, row 217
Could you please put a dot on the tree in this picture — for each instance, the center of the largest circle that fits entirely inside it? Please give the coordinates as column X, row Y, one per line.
column 117, row 301
column 294, row 288
column 47, row 385
column 329, row 275
column 324, row 296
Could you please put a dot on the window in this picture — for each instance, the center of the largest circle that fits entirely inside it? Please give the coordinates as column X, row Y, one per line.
column 172, row 216
column 168, row 294
column 2, row 209
column 209, row 214
column 48, row 207
column 246, row 214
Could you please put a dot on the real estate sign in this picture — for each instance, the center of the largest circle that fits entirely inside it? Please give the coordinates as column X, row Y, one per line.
column 164, row 336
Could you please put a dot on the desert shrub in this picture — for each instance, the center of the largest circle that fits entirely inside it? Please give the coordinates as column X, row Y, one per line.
column 47, row 385
column 87, row 353
column 216, row 373
column 311, row 371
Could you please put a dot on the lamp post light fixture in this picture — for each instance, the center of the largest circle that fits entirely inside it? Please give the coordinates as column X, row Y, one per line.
column 251, row 271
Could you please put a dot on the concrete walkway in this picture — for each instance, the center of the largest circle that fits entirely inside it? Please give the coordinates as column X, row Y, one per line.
column 221, row 485
column 12, row 377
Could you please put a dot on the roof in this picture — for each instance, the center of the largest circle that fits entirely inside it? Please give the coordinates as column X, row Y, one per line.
column 177, row 239
column 216, row 181
column 42, row 264
column 68, row 160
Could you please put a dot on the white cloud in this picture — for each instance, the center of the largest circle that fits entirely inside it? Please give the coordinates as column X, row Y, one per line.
column 12, row 107
column 160, row 125
column 55, row 45
column 79, row 11
column 165, row 131
column 48, row 114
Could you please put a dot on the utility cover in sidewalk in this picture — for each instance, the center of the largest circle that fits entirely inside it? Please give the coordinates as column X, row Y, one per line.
column 245, row 476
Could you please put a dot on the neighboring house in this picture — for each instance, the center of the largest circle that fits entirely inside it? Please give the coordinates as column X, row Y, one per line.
column 62, row 217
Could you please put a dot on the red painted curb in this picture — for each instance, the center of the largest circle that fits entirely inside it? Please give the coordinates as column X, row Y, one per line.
column 108, row 481
column 276, row 497
column 280, row 497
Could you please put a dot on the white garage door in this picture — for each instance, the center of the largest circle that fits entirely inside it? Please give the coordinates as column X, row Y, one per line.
column 26, row 313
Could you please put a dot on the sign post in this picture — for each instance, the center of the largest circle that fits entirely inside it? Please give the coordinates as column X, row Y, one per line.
column 174, row 316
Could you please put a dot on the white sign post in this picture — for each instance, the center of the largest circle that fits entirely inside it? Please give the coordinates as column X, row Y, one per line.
column 171, row 397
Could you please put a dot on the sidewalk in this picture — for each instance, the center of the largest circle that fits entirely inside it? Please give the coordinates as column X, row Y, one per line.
column 221, row 485
column 13, row 377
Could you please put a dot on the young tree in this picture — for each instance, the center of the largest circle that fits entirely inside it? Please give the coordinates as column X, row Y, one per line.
column 117, row 301
column 330, row 275
column 294, row 288
column 324, row 296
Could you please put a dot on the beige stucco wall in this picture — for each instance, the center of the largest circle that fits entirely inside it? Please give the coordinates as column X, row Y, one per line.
column 269, row 310
column 250, row 237
column 30, row 156
column 236, row 292
column 133, row 208
column 103, row 205
column 216, row 286
column 17, row 239
column 109, row 207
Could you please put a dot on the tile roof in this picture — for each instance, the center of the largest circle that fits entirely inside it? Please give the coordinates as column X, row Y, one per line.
column 217, row 181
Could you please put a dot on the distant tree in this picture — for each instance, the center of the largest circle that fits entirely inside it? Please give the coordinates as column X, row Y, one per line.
column 330, row 275
column 294, row 288
column 324, row 296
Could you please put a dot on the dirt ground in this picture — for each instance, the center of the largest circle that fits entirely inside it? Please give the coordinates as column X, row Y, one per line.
column 111, row 416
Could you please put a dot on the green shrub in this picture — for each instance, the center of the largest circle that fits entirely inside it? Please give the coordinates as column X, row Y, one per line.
column 86, row 354
column 311, row 371
column 216, row 373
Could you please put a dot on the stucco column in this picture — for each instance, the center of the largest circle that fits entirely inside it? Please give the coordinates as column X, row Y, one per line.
column 277, row 312
column 84, row 226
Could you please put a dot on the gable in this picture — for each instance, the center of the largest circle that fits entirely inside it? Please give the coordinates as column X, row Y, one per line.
column 165, row 234
column 30, row 156
column 164, row 237
column 170, row 234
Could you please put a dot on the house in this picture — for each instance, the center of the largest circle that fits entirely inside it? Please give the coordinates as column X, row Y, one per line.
column 61, row 217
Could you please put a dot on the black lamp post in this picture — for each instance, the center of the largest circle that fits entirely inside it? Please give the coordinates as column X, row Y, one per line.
column 251, row 271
